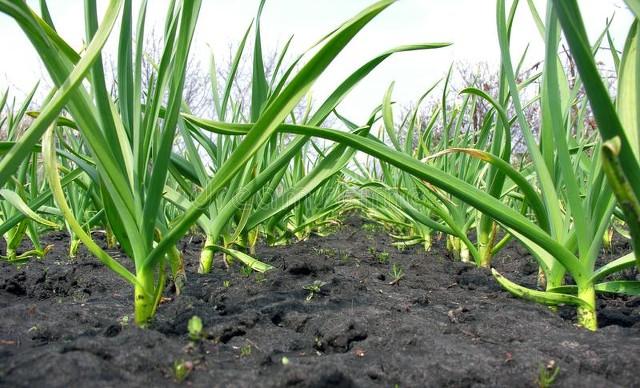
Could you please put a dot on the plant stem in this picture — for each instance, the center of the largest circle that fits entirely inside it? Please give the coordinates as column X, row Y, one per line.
column 486, row 244
column 541, row 279
column 252, row 240
column 176, row 261
column 427, row 242
column 465, row 256
column 73, row 247
column 143, row 302
column 587, row 314
column 112, row 242
column 11, row 254
column 206, row 256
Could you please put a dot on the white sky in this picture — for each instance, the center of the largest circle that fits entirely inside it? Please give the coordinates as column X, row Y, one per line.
column 468, row 24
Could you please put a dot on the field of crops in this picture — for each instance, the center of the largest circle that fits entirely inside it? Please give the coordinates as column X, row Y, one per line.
column 481, row 237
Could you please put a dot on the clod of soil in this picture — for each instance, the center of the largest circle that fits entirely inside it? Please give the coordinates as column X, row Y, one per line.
column 67, row 323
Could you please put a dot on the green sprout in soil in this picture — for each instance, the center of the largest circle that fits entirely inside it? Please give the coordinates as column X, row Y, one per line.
column 181, row 370
column 369, row 228
column 226, row 283
column 246, row 271
column 195, row 328
column 548, row 374
column 397, row 273
column 314, row 289
column 327, row 252
column 383, row 257
column 124, row 321
column 245, row 351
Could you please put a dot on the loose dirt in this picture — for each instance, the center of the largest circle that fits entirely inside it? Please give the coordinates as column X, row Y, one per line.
column 68, row 323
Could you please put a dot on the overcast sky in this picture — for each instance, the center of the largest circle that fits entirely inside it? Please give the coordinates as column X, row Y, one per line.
column 468, row 24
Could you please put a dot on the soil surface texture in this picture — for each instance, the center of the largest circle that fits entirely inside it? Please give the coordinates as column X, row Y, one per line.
column 68, row 323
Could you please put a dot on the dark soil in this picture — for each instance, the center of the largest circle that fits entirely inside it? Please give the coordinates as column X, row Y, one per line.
column 67, row 323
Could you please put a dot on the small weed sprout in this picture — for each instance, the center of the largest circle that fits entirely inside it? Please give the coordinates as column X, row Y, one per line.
column 246, row 271
column 327, row 252
column 401, row 247
column 547, row 375
column 314, row 288
column 260, row 277
column 397, row 273
column 124, row 321
column 369, row 228
column 245, row 351
column 383, row 257
column 226, row 284
column 182, row 369
column 195, row 328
